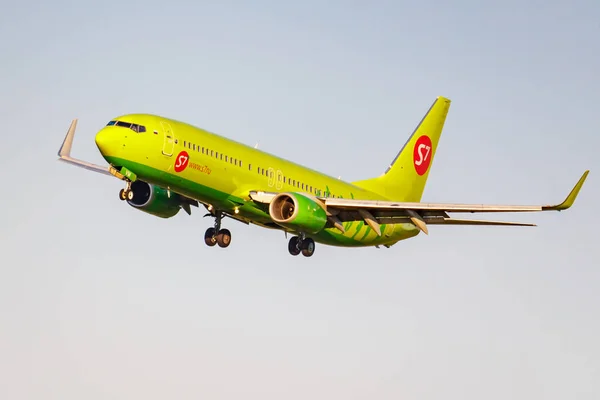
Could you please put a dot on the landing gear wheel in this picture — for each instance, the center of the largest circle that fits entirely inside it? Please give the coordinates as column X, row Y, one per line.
column 209, row 237
column 294, row 246
column 308, row 247
column 224, row 238
column 126, row 194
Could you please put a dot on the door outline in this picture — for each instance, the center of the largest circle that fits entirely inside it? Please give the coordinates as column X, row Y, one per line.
column 279, row 183
column 168, row 139
column 271, row 176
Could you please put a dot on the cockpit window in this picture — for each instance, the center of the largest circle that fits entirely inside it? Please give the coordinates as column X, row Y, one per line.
column 124, row 124
column 134, row 127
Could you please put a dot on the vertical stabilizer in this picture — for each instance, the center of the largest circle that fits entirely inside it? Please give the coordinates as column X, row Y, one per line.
column 405, row 178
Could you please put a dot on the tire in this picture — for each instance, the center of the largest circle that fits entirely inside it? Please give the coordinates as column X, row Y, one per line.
column 209, row 237
column 224, row 238
column 308, row 247
column 293, row 246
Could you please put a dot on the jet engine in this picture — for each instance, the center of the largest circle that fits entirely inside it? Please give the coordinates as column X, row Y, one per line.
column 154, row 200
column 298, row 213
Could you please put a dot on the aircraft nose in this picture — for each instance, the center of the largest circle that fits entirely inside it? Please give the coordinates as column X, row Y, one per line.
column 103, row 139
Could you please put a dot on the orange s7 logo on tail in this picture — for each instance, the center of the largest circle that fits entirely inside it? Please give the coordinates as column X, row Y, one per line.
column 422, row 154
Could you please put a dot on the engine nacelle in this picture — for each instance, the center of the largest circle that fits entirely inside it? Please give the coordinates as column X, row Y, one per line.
column 154, row 200
column 297, row 212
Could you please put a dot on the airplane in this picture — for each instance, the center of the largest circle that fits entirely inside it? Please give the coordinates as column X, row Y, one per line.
column 168, row 165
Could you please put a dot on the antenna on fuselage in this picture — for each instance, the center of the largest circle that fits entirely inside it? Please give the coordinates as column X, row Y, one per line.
column 256, row 145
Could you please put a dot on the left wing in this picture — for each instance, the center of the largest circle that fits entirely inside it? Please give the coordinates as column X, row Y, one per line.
column 64, row 154
column 376, row 212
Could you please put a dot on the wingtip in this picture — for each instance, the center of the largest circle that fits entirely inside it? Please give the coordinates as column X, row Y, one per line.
column 570, row 200
column 65, row 148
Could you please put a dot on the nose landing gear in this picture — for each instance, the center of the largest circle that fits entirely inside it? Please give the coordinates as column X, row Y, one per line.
column 127, row 193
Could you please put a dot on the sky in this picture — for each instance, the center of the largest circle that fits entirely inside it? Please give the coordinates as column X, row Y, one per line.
column 101, row 301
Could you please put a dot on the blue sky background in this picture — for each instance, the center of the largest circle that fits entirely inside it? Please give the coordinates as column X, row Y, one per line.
column 100, row 301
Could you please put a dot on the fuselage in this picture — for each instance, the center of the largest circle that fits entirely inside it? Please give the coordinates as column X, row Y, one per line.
column 221, row 173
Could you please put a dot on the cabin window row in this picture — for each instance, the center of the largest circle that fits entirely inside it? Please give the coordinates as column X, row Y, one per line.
column 293, row 182
column 213, row 153
column 261, row 171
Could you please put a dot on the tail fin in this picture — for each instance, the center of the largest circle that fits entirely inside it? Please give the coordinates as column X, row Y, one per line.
column 405, row 178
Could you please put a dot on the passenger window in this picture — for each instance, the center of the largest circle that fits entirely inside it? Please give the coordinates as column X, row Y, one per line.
column 194, row 146
column 216, row 154
column 184, row 143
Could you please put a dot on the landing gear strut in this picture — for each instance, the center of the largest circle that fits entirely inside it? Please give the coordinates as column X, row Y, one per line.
column 216, row 235
column 301, row 244
column 127, row 193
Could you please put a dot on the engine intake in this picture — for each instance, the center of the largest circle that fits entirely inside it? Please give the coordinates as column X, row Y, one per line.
column 298, row 212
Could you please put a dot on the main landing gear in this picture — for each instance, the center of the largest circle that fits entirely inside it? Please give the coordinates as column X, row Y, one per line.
column 216, row 235
column 301, row 244
column 127, row 193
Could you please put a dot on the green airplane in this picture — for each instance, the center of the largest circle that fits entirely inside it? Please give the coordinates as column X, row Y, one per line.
column 169, row 165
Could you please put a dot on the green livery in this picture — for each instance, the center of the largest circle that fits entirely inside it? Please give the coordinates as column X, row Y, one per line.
column 169, row 165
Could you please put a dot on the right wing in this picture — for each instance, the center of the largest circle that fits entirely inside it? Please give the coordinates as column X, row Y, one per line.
column 377, row 212
column 64, row 154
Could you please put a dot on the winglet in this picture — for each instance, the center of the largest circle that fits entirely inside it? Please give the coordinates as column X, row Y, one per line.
column 570, row 198
column 65, row 149
column 64, row 154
